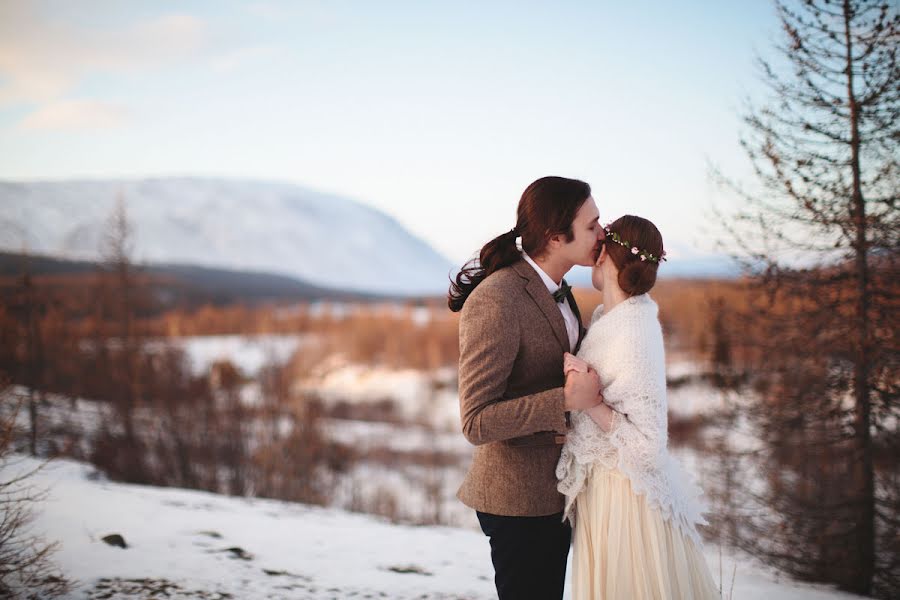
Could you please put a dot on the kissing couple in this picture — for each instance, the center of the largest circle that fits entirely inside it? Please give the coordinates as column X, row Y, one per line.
column 570, row 424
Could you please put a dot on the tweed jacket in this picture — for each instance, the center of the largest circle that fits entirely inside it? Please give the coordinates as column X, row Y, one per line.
column 512, row 338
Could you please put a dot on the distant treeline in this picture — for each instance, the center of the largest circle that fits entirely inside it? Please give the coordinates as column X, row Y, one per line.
column 175, row 285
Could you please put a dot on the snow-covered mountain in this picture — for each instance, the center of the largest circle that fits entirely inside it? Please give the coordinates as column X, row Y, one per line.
column 279, row 228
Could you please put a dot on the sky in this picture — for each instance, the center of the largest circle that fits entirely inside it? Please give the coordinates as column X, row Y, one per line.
column 438, row 113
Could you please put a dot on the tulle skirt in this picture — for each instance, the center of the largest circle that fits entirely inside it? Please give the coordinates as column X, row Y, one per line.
column 623, row 548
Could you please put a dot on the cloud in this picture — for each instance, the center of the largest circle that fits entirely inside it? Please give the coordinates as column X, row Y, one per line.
column 76, row 114
column 243, row 57
column 267, row 9
column 41, row 60
column 320, row 12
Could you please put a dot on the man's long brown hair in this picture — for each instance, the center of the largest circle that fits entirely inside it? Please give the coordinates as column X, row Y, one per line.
column 548, row 207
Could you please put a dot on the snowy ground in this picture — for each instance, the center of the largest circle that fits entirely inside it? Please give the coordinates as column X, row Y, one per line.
column 249, row 352
column 418, row 396
column 192, row 544
column 180, row 540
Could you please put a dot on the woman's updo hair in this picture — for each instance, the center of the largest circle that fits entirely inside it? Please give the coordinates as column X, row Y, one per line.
column 636, row 276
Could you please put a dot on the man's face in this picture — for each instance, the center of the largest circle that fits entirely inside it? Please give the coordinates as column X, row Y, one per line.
column 582, row 250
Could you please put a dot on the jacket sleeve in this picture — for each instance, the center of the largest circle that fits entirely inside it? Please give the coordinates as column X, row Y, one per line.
column 489, row 339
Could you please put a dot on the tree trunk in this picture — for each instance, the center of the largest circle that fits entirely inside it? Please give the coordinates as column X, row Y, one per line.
column 33, row 416
column 866, row 485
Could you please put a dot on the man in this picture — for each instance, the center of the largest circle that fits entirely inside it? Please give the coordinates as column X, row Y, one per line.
column 517, row 319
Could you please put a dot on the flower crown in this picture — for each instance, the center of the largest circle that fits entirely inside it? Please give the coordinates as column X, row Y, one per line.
column 612, row 235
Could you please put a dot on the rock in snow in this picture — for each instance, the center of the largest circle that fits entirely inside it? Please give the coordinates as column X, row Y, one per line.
column 114, row 539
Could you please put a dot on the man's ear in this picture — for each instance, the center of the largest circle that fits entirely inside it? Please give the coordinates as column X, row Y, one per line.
column 555, row 241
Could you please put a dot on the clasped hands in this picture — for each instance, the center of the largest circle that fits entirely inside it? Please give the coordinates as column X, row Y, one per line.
column 582, row 391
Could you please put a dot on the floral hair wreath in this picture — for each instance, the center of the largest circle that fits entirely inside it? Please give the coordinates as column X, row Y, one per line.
column 634, row 249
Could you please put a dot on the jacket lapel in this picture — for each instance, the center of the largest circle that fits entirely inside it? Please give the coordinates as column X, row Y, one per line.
column 544, row 300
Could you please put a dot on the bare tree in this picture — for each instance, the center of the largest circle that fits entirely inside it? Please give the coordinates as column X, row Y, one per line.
column 26, row 569
column 33, row 363
column 119, row 345
column 235, row 425
column 118, row 249
column 822, row 234
column 293, row 459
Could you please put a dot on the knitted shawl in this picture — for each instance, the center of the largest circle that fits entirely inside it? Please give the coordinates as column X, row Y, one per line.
column 625, row 346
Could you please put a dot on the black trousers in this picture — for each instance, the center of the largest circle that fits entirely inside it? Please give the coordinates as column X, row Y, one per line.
column 529, row 555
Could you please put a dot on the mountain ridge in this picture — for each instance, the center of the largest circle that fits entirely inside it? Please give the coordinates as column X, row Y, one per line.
column 326, row 239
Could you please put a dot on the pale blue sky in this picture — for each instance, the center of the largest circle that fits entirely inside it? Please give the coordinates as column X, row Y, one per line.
column 439, row 113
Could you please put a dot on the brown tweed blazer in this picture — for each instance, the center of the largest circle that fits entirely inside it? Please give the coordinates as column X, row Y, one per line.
column 512, row 337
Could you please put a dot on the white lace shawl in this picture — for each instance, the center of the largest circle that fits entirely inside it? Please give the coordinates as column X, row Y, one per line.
column 625, row 346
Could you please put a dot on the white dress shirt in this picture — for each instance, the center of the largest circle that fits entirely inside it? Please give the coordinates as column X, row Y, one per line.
column 572, row 326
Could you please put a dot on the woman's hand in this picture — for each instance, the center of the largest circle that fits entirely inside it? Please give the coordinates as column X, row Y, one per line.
column 602, row 415
column 573, row 363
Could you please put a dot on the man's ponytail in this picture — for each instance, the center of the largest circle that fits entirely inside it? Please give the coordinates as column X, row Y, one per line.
column 498, row 253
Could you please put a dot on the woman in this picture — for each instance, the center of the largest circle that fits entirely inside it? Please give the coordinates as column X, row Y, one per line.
column 633, row 507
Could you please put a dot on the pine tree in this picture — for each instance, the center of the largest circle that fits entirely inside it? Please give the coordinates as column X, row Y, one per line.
column 822, row 235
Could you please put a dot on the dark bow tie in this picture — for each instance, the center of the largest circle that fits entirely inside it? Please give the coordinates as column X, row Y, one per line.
column 562, row 293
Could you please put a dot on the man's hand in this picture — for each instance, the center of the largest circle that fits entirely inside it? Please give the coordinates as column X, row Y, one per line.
column 582, row 390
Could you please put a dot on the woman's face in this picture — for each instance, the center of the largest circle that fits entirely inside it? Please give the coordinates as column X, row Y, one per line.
column 597, row 269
